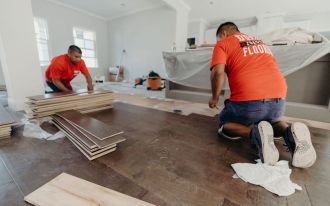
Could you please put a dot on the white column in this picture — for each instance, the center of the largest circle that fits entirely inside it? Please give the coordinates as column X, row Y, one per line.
column 182, row 17
column 197, row 28
column 18, row 52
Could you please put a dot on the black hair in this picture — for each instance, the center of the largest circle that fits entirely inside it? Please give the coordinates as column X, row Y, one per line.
column 74, row 48
column 225, row 26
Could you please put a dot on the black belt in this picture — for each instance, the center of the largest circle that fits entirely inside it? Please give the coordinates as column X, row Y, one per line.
column 271, row 99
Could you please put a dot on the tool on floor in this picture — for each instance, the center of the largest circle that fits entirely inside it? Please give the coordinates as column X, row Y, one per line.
column 139, row 81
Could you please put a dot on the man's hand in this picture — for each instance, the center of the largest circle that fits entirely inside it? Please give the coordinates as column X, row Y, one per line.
column 89, row 82
column 90, row 87
column 213, row 102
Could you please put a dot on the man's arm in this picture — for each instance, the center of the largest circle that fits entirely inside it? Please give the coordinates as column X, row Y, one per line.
column 89, row 82
column 217, row 79
column 60, row 85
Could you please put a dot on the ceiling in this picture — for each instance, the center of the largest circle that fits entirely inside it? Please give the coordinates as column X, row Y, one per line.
column 110, row 9
column 209, row 10
column 212, row 10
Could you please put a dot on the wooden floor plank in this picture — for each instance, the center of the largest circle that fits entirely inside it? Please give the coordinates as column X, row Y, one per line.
column 91, row 152
column 67, row 127
column 90, row 125
column 72, row 105
column 67, row 190
column 55, row 95
column 83, row 135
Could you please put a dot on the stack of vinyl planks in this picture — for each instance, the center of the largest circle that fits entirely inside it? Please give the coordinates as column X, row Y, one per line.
column 67, row 190
column 91, row 136
column 82, row 100
column 6, row 123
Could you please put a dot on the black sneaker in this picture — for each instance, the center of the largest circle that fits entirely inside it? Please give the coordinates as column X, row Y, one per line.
column 222, row 134
column 262, row 135
column 298, row 140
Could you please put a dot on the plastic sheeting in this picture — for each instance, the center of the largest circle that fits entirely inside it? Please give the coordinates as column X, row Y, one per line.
column 192, row 68
column 292, row 36
column 32, row 129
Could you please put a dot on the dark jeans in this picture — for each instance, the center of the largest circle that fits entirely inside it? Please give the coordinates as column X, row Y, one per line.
column 252, row 112
column 54, row 87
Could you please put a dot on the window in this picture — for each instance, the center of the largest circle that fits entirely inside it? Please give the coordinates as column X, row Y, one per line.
column 40, row 27
column 86, row 41
column 326, row 34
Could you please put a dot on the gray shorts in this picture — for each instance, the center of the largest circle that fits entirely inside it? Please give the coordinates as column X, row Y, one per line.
column 252, row 112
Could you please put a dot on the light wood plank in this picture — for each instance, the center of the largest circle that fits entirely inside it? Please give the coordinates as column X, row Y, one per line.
column 67, row 190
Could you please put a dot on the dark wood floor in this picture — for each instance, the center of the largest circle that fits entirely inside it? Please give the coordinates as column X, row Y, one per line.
column 168, row 159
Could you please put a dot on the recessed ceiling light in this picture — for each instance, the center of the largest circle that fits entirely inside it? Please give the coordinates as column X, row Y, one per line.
column 211, row 2
column 123, row 4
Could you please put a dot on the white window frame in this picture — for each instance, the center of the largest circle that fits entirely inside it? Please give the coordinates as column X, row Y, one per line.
column 83, row 47
column 42, row 40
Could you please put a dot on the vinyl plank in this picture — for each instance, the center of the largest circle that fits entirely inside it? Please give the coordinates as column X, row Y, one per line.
column 67, row 190
column 56, row 109
column 81, row 133
column 90, row 125
column 300, row 198
column 87, row 155
column 5, row 177
column 91, row 152
column 71, row 130
column 44, row 100
column 64, row 94
column 10, row 195
column 88, row 109
column 72, row 104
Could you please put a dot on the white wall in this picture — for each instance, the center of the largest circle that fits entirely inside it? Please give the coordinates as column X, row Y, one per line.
column 2, row 78
column 18, row 52
column 61, row 21
column 320, row 22
column 144, row 36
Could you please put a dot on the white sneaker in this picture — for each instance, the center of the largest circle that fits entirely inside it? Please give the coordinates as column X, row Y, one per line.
column 301, row 148
column 262, row 136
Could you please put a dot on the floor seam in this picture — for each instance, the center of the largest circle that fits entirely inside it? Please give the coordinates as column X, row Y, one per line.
column 310, row 201
column 12, row 177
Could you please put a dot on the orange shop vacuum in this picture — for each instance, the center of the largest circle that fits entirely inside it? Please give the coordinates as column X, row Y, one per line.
column 155, row 82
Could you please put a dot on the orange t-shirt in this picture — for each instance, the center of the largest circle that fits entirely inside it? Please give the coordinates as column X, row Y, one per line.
column 252, row 70
column 62, row 69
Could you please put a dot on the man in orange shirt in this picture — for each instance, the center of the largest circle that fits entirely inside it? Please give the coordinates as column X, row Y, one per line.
column 66, row 67
column 257, row 101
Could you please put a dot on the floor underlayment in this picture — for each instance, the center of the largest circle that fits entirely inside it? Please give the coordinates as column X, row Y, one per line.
column 167, row 159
